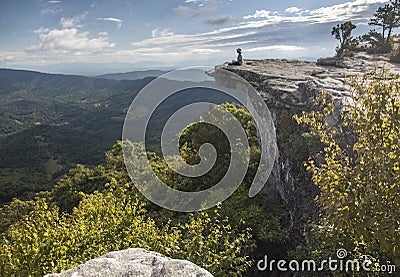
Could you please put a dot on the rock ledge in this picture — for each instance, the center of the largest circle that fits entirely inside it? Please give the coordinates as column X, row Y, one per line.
column 134, row 262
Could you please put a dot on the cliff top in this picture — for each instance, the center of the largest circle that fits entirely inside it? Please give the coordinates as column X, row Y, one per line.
column 297, row 69
column 281, row 82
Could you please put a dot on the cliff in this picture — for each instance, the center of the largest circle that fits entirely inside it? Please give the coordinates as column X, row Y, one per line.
column 289, row 87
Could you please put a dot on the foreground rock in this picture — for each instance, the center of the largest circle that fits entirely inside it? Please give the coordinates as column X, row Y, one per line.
column 134, row 262
column 289, row 87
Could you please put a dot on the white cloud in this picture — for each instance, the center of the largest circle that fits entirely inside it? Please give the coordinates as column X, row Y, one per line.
column 205, row 51
column 69, row 38
column 178, row 40
column 261, row 14
column 342, row 12
column 54, row 1
column 69, row 22
column 112, row 19
column 247, row 34
column 7, row 58
column 161, row 33
column 293, row 10
column 281, row 48
column 334, row 13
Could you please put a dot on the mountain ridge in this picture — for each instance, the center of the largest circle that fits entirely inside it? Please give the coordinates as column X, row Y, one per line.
column 133, row 75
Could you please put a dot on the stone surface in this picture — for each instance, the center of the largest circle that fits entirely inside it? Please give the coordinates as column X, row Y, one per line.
column 289, row 86
column 134, row 262
column 288, row 83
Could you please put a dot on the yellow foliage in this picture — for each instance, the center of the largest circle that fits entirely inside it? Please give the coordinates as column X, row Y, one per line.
column 360, row 183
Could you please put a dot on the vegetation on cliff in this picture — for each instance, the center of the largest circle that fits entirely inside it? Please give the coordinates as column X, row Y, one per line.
column 359, row 177
column 387, row 18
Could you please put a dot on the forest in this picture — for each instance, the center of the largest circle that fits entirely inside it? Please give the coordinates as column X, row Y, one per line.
column 92, row 210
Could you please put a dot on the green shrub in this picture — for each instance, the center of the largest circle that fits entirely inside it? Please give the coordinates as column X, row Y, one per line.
column 46, row 240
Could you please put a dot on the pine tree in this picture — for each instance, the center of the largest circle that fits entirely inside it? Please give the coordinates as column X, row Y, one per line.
column 387, row 18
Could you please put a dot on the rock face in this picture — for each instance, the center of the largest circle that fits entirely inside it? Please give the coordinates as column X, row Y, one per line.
column 134, row 262
column 288, row 87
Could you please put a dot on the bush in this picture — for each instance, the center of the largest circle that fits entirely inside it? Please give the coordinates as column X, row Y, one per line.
column 359, row 182
column 47, row 241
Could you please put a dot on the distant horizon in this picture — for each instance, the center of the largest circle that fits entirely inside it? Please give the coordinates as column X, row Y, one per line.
column 98, row 69
column 89, row 70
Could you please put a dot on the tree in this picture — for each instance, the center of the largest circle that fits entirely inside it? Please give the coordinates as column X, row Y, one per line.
column 342, row 33
column 359, row 183
column 269, row 222
column 388, row 18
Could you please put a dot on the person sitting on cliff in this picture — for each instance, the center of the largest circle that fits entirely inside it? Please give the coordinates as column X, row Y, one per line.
column 239, row 60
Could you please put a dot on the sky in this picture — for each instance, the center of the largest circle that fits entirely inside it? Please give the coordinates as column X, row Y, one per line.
column 38, row 34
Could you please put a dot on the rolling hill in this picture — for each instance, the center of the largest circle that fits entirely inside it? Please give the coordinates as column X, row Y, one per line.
column 51, row 122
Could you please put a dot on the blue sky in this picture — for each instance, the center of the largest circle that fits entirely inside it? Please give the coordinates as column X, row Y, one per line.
column 172, row 33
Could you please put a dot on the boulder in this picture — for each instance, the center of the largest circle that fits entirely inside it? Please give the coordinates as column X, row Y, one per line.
column 134, row 262
column 332, row 61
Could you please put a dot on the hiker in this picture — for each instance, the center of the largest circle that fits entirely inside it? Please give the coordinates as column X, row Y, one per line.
column 239, row 60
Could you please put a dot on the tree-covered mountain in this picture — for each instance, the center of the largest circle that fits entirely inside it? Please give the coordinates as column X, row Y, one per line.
column 50, row 122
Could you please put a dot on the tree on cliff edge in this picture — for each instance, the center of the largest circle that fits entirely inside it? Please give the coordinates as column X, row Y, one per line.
column 387, row 18
column 342, row 33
